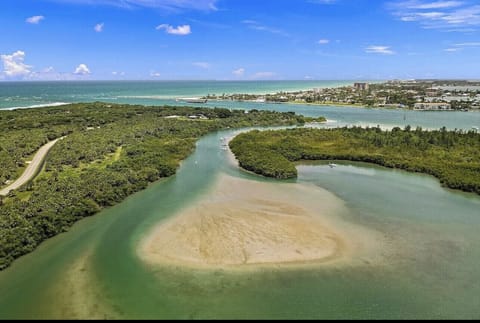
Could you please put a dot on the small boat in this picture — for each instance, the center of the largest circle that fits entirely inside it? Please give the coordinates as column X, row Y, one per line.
column 332, row 165
column 192, row 100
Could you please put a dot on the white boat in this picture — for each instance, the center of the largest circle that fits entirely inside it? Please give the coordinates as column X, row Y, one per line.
column 332, row 165
column 192, row 100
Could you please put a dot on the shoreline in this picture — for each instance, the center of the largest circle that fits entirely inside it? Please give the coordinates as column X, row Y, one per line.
column 37, row 106
column 249, row 225
column 292, row 103
column 160, row 98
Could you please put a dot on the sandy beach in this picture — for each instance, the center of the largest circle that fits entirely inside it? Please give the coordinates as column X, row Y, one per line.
column 244, row 223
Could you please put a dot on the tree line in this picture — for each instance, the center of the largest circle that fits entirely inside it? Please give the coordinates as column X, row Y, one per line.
column 451, row 156
column 109, row 153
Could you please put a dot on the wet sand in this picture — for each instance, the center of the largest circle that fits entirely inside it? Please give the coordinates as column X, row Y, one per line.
column 242, row 223
column 77, row 295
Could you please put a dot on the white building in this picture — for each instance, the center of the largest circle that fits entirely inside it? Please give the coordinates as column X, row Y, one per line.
column 424, row 106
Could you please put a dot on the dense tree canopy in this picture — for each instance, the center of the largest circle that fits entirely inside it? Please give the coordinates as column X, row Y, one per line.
column 451, row 156
column 109, row 152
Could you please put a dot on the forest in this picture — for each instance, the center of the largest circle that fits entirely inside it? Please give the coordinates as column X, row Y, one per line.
column 451, row 156
column 109, row 152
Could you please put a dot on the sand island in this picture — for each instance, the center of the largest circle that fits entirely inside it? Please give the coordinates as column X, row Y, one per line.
column 244, row 223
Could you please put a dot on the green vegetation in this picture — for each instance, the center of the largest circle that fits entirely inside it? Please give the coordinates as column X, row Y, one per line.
column 315, row 120
column 109, row 153
column 451, row 156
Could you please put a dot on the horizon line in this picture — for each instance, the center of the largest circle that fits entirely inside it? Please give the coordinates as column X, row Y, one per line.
column 216, row 80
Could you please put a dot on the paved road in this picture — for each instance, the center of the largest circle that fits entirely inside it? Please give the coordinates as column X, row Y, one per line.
column 32, row 168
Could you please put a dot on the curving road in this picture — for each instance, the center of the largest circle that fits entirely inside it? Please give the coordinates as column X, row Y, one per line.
column 32, row 168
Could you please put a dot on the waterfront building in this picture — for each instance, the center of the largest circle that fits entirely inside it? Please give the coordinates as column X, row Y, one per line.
column 432, row 106
column 361, row 86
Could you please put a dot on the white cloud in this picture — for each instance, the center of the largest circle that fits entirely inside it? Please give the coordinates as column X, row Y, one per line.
column 432, row 5
column 323, row 41
column 445, row 15
column 264, row 75
column 385, row 50
column 155, row 74
column 255, row 25
column 168, row 5
column 99, row 27
column 471, row 44
column 47, row 74
column 14, row 66
column 203, row 65
column 82, row 69
column 461, row 46
column 115, row 73
column 180, row 30
column 35, row 20
column 239, row 72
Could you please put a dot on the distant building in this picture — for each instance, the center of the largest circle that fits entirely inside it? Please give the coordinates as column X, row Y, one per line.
column 432, row 93
column 361, row 86
column 432, row 106
column 282, row 99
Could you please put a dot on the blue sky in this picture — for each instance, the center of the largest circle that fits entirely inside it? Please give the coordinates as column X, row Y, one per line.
column 239, row 39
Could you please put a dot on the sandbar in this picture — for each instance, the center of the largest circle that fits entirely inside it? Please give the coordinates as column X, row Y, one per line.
column 242, row 223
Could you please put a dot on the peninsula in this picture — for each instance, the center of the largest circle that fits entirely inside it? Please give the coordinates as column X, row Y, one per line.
column 451, row 156
column 422, row 95
column 109, row 152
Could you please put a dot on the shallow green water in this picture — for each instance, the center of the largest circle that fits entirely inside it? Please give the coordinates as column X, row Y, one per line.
column 429, row 267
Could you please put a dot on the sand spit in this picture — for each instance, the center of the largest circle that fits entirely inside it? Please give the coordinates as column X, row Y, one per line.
column 243, row 223
column 77, row 294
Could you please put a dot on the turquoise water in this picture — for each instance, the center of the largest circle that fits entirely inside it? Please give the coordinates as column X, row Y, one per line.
column 427, row 267
column 28, row 94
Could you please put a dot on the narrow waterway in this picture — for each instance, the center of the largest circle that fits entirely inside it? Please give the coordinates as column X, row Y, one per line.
column 428, row 267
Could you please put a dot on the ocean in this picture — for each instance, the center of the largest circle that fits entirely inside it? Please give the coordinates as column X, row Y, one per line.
column 16, row 95
column 37, row 94
column 427, row 268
